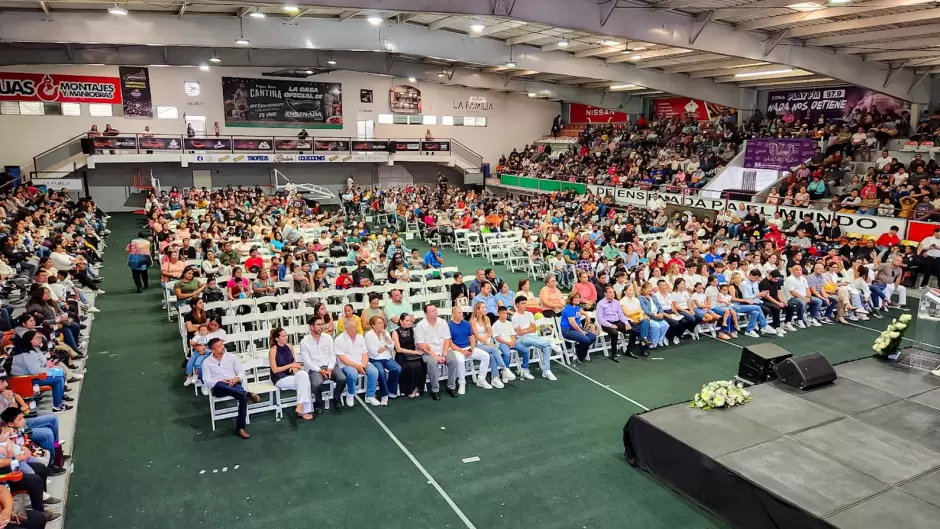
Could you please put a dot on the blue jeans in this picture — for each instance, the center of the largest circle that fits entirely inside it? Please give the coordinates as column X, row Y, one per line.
column 830, row 305
column 658, row 330
column 240, row 394
column 45, row 431
column 543, row 344
column 352, row 376
column 582, row 341
column 388, row 383
column 877, row 295
column 496, row 358
column 58, row 388
column 195, row 362
column 42, row 251
column 507, row 353
column 755, row 316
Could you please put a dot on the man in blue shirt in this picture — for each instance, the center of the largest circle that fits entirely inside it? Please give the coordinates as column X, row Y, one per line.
column 463, row 343
column 487, row 298
column 433, row 259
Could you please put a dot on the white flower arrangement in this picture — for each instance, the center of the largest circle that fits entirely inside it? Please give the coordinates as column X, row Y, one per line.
column 889, row 341
column 720, row 394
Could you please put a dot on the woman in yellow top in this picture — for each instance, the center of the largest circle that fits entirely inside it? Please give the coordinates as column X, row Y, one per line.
column 348, row 313
column 630, row 304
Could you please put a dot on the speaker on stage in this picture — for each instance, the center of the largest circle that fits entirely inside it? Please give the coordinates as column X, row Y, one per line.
column 88, row 146
column 758, row 361
column 806, row 372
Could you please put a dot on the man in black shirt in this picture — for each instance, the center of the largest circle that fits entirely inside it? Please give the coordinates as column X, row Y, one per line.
column 807, row 225
column 338, row 248
column 362, row 276
column 769, row 289
column 851, row 251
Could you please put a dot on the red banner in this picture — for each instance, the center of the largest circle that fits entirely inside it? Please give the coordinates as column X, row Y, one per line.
column 56, row 88
column 918, row 231
column 683, row 106
column 588, row 114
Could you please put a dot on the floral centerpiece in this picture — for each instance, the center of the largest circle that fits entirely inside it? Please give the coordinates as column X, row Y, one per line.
column 889, row 342
column 720, row 394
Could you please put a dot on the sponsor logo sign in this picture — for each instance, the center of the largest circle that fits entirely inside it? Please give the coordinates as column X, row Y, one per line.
column 115, row 142
column 207, row 144
column 257, row 158
column 57, row 88
column 442, row 146
column 311, row 158
column 55, row 184
column 588, row 114
column 284, row 158
column 401, row 146
column 160, row 144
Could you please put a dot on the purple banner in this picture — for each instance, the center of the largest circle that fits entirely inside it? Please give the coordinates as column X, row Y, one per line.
column 778, row 153
column 847, row 102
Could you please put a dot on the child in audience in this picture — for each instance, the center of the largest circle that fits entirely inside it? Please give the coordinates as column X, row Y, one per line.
column 200, row 352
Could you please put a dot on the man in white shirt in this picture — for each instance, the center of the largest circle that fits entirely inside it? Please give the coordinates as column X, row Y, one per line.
column 655, row 203
column 930, row 249
column 223, row 373
column 796, row 290
column 432, row 337
column 318, row 354
column 527, row 335
column 883, row 161
column 354, row 361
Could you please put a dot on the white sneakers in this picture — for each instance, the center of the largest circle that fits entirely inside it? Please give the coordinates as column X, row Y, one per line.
column 350, row 401
column 814, row 322
column 767, row 329
column 384, row 401
column 675, row 340
column 752, row 334
column 524, row 374
column 800, row 324
column 372, row 401
column 507, row 375
column 189, row 381
column 482, row 383
column 497, row 383
column 549, row 375
column 462, row 387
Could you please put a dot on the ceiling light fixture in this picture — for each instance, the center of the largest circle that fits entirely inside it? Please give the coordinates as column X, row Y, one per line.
column 622, row 86
column 117, row 10
column 257, row 14
column 533, row 94
column 563, row 43
column 442, row 74
column 765, row 72
column 412, row 80
column 242, row 41
column 375, row 20
column 291, row 8
column 308, row 72
column 204, row 67
column 477, row 27
column 331, row 61
column 636, row 57
column 510, row 64
column 641, row 48
column 215, row 58
column 610, row 43
column 806, row 6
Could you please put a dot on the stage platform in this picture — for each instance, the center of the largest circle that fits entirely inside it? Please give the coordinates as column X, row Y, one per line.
column 861, row 453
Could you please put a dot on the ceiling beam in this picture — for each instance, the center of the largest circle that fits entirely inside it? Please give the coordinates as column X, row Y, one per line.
column 45, row 8
column 244, row 11
column 732, row 63
column 183, row 5
column 783, row 82
column 624, row 57
column 720, row 72
column 496, row 28
column 298, row 14
column 680, row 60
column 829, row 12
column 698, row 25
column 721, row 14
column 895, row 55
column 591, row 52
column 896, row 45
column 875, row 36
column 862, row 23
column 522, row 39
column 346, row 15
column 442, row 23
column 734, row 78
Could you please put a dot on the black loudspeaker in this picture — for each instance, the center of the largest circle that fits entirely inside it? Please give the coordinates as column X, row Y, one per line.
column 806, row 372
column 758, row 361
column 88, row 146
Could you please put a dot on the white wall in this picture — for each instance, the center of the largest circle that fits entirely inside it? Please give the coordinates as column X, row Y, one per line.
column 514, row 121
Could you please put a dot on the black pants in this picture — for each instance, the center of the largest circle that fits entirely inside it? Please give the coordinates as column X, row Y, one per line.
column 141, row 278
column 775, row 311
column 676, row 328
column 85, row 280
column 33, row 484
column 931, row 268
column 33, row 520
column 613, row 333
column 414, row 372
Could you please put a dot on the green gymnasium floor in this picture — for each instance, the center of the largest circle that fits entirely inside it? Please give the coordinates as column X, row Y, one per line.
column 551, row 454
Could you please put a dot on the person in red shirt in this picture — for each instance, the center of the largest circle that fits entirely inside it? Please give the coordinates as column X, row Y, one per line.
column 254, row 260
column 888, row 239
column 344, row 280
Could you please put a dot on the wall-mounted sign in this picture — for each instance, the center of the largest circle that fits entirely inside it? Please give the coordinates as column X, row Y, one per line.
column 365, row 96
column 833, row 103
column 370, row 145
column 588, row 114
column 285, row 158
column 56, row 88
column 293, row 145
column 782, row 154
column 135, row 89
column 331, row 145
column 160, row 144
column 57, row 184
column 443, row 146
column 474, row 104
column 207, row 144
column 698, row 109
column 282, row 103
column 253, row 144
column 404, row 99
column 114, row 142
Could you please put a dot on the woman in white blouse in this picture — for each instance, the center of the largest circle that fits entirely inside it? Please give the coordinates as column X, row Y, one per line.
column 381, row 351
column 211, row 266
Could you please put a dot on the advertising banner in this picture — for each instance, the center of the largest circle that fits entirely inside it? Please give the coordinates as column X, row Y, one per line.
column 284, row 158
column 282, row 103
column 135, row 90
column 588, row 114
column 293, row 145
column 782, row 154
column 404, row 99
column 442, row 146
column 847, row 102
column 56, row 88
column 160, row 144
column 406, row 146
column 57, row 184
column 114, row 142
column 331, row 145
column 622, row 196
column 682, row 107
column 253, row 144
column 370, row 146
column 918, row 231
column 207, row 144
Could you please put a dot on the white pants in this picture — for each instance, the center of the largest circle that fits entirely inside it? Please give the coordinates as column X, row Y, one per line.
column 476, row 354
column 901, row 290
column 301, row 384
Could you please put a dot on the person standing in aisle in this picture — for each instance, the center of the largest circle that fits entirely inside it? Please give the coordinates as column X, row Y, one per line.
column 139, row 261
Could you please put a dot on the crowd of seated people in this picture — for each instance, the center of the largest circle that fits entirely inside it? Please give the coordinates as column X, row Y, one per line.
column 728, row 276
column 51, row 252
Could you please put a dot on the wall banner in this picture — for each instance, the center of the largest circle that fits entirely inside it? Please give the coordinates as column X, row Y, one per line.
column 293, row 145
column 253, row 144
column 833, row 103
column 282, row 103
column 57, row 88
column 285, row 158
column 57, row 184
column 405, row 146
column 587, row 114
column 135, row 90
column 435, row 146
column 693, row 201
column 682, row 107
column 370, row 146
column 207, row 144
column 331, row 145
column 782, row 154
column 160, row 144
column 622, row 196
column 404, row 99
column 115, row 142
